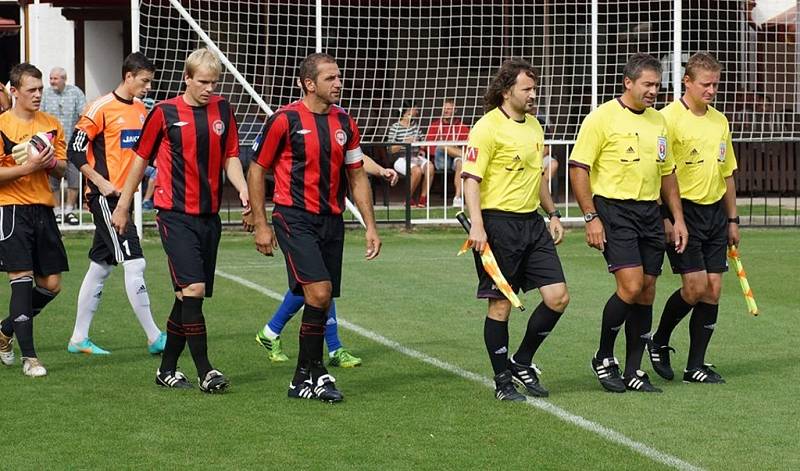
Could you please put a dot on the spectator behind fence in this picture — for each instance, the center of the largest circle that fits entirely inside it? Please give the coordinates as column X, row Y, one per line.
column 65, row 102
column 449, row 128
column 406, row 130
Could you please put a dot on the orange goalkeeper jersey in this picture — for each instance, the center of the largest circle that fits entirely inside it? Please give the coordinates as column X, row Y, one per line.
column 107, row 131
column 33, row 188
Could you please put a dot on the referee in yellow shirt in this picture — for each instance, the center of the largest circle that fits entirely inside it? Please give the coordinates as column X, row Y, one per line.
column 502, row 191
column 701, row 143
column 622, row 156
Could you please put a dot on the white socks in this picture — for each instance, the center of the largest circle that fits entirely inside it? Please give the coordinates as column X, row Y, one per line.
column 138, row 297
column 92, row 289
column 89, row 299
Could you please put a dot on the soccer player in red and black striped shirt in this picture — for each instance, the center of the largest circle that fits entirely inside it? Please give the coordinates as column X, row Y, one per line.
column 192, row 138
column 313, row 147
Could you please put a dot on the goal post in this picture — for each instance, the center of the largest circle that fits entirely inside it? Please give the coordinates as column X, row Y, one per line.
column 392, row 51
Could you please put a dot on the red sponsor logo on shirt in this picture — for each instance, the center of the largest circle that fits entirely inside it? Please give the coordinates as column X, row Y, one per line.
column 472, row 154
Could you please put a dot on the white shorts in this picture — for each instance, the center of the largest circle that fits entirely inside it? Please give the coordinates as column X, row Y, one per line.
column 400, row 164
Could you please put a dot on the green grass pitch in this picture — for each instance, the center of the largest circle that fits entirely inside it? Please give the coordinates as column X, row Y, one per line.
column 400, row 412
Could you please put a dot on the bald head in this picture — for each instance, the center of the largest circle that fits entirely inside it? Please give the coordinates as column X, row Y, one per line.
column 58, row 78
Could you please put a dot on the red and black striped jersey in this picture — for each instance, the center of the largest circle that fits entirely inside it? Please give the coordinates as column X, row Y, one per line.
column 308, row 153
column 189, row 145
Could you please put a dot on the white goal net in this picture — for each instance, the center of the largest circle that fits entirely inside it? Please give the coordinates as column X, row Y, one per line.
column 392, row 51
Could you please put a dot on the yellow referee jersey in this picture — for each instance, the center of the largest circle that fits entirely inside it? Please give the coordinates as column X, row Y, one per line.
column 625, row 151
column 703, row 151
column 506, row 157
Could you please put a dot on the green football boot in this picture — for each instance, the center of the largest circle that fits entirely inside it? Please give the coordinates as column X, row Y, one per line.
column 343, row 358
column 273, row 347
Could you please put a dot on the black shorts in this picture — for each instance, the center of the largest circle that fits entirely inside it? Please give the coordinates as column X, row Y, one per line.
column 312, row 245
column 708, row 240
column 30, row 240
column 191, row 244
column 634, row 234
column 524, row 250
column 108, row 246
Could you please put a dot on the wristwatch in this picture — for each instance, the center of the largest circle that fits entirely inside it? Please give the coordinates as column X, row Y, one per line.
column 589, row 217
column 554, row 214
column 733, row 220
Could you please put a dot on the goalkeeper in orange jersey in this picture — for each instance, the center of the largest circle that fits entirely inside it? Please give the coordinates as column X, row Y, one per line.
column 701, row 142
column 31, row 251
column 502, row 174
column 102, row 149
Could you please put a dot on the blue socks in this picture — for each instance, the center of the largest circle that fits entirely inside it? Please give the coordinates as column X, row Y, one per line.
column 291, row 305
column 332, row 330
column 288, row 308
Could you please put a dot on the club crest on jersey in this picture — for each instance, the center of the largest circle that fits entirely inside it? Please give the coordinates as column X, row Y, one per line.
column 218, row 126
column 141, row 118
column 472, row 154
column 341, row 137
column 662, row 148
column 723, row 148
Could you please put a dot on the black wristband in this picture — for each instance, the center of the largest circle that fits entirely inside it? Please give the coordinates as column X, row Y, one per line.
column 554, row 214
column 665, row 212
column 733, row 220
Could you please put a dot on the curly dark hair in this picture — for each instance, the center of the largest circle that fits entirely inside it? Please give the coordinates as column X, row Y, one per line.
column 504, row 79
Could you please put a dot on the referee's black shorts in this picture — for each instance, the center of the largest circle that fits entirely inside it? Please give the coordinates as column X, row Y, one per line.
column 191, row 244
column 634, row 234
column 30, row 240
column 312, row 246
column 708, row 239
column 108, row 246
column 524, row 250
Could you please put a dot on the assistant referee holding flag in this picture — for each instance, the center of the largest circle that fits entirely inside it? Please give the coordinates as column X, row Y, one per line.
column 503, row 189
column 622, row 156
column 701, row 143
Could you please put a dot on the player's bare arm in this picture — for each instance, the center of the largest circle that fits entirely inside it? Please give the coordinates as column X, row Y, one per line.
column 77, row 155
column 729, row 203
column 120, row 217
column 34, row 163
column 59, row 169
column 265, row 239
column 472, row 200
column 595, row 234
column 106, row 188
column 546, row 201
column 233, row 169
column 671, row 196
column 372, row 168
column 362, row 197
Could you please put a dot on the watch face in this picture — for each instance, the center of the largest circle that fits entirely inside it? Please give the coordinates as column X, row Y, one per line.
column 589, row 216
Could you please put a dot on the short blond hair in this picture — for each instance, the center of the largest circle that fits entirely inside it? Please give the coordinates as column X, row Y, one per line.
column 702, row 61
column 202, row 58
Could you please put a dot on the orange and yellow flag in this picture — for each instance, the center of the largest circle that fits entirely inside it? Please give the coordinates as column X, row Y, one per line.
column 733, row 254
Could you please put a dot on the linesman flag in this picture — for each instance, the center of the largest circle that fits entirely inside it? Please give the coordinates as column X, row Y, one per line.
column 733, row 254
column 490, row 265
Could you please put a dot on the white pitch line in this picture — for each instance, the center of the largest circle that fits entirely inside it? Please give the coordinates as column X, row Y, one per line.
column 540, row 404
